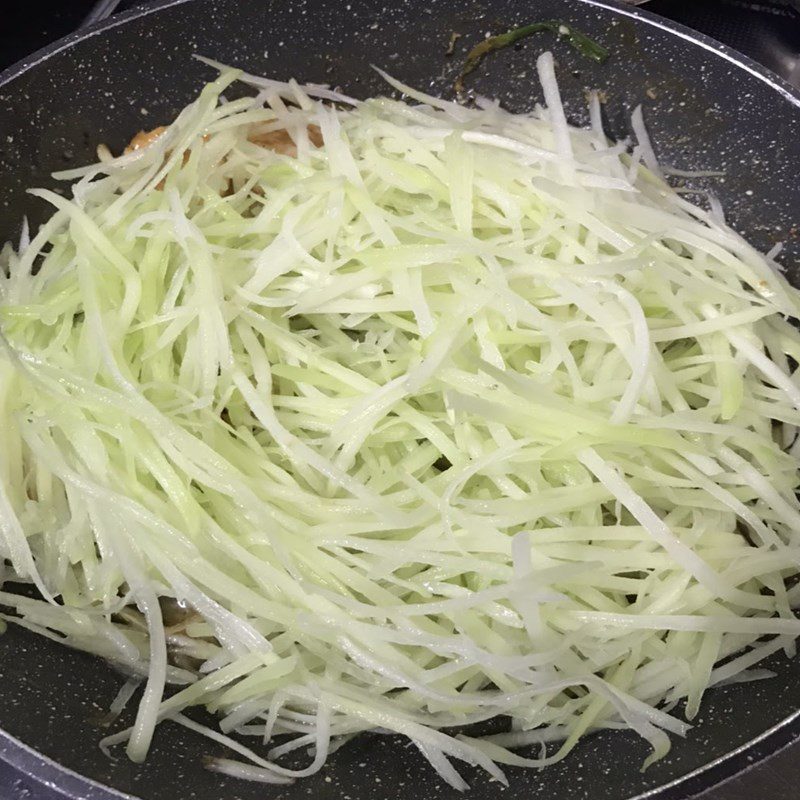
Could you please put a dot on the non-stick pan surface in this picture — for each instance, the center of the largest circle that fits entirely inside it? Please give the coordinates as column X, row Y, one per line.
column 706, row 107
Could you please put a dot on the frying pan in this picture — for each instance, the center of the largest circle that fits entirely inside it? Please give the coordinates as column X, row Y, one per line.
column 707, row 107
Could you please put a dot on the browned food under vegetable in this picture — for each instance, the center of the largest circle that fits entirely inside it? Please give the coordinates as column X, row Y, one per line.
column 277, row 140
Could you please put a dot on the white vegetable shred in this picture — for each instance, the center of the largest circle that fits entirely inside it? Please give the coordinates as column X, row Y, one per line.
column 428, row 416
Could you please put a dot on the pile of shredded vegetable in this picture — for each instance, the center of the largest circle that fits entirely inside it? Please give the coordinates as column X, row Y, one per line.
column 437, row 415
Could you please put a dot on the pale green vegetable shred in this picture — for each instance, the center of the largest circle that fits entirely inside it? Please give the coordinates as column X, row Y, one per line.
column 448, row 414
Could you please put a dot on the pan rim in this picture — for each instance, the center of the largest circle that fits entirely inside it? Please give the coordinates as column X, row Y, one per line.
column 44, row 770
column 734, row 57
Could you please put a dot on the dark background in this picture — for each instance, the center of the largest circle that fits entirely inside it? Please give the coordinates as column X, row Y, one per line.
column 769, row 32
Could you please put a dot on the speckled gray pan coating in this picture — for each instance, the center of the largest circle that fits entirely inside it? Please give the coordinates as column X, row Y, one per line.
column 706, row 108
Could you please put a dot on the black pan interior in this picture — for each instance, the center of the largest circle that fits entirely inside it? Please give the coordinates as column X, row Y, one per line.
column 706, row 108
